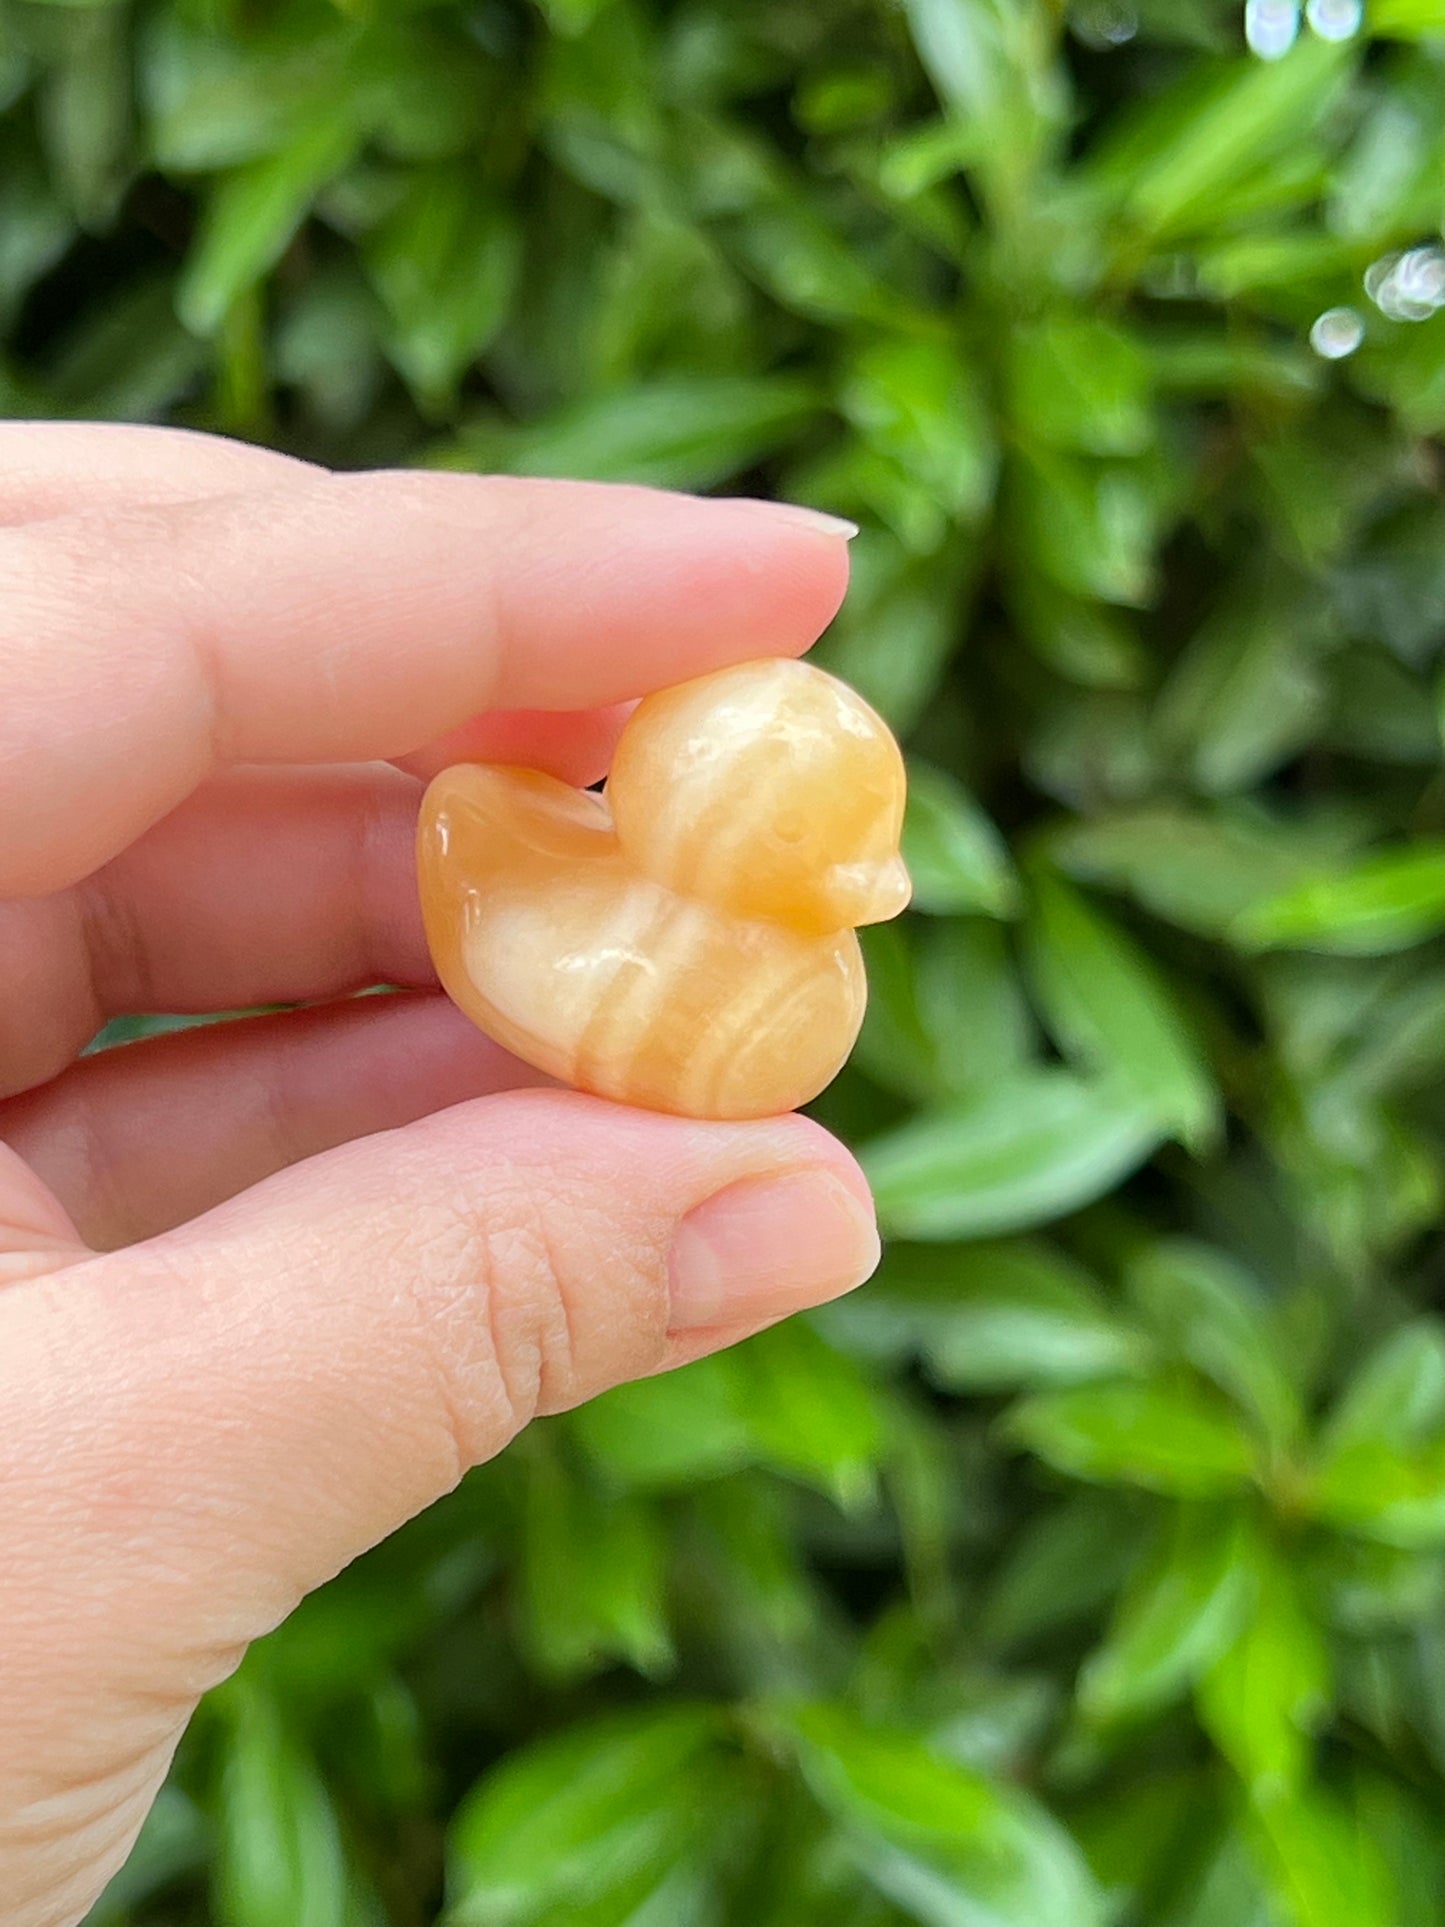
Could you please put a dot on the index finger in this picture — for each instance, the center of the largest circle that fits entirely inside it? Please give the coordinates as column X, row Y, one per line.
column 346, row 618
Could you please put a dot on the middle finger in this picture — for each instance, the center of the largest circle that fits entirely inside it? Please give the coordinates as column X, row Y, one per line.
column 266, row 887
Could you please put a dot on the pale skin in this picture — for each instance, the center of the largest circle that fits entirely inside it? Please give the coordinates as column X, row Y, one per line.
column 269, row 1288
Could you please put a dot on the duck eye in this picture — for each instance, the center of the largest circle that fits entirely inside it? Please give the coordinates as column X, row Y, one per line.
column 790, row 829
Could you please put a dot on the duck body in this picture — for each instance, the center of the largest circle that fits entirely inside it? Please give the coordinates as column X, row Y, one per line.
column 684, row 942
column 551, row 941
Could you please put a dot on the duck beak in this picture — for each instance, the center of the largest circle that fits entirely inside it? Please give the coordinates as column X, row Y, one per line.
column 869, row 892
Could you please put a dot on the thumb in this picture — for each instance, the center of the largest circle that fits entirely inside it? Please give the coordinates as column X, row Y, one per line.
column 202, row 1428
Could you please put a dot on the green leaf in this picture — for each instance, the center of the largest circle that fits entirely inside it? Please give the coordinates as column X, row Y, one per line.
column 1394, row 584
column 955, row 856
column 1090, row 527
column 665, row 295
column 807, row 267
column 1176, row 1618
column 1171, row 164
column 809, row 1411
column 445, row 264
column 989, row 1317
column 214, row 101
column 254, row 213
column 591, row 1578
column 1322, row 1864
column 1269, row 1689
column 1110, row 1009
column 1246, row 263
column 428, row 95
column 1397, row 1397
column 946, row 1013
column 676, row 1429
column 1079, row 382
column 918, row 403
column 899, row 625
column 1387, row 902
column 1135, row 1833
column 1399, row 1825
column 1229, row 1890
column 1165, row 1437
column 35, row 226
column 1199, row 362
column 682, row 432
column 1381, row 1466
column 280, row 1857
column 571, row 16
column 898, row 1047
column 1201, row 870
column 979, row 54
column 1034, row 1149
column 15, row 73
column 952, row 1848
column 1083, row 641
column 991, row 62
column 787, row 1400
column 1408, row 18
column 173, row 1843
column 328, row 345
column 1374, row 1591
column 85, row 113
column 1247, row 692
column 1387, row 174
column 577, row 1814
column 1094, row 751
column 758, row 1588
column 971, row 1003
column 131, row 361
column 599, row 100
column 1211, row 1313
column 1066, row 1566
column 1405, row 369
column 1361, row 1177
column 1382, row 711
column 1021, row 1314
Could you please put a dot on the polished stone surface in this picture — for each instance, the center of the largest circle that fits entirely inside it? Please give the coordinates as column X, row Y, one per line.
column 685, row 941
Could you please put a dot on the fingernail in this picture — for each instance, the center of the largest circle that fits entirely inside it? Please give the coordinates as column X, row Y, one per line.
column 837, row 526
column 768, row 1246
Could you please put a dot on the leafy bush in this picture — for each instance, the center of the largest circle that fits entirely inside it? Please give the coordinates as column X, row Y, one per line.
column 1090, row 1566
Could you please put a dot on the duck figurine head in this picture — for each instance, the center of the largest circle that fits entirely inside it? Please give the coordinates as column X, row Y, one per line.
column 771, row 790
column 685, row 940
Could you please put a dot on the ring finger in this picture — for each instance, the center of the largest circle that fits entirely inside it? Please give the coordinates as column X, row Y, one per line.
column 135, row 1140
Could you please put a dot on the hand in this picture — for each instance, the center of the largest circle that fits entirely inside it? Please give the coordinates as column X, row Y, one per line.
column 222, row 675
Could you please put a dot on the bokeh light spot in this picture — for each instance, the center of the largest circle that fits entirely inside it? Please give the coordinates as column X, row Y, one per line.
column 1337, row 333
column 1335, row 19
column 1106, row 23
column 1271, row 27
column 1408, row 286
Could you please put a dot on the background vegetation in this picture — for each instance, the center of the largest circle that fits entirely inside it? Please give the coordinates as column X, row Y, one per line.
column 1090, row 1566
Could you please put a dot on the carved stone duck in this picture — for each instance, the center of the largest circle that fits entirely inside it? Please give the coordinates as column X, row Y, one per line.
column 684, row 941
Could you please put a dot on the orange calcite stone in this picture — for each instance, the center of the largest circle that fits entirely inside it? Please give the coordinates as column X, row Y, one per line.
column 683, row 942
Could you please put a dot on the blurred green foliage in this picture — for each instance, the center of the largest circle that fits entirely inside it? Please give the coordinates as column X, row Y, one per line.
column 1090, row 1566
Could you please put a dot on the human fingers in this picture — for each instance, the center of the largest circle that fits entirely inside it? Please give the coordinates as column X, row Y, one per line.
column 576, row 745
column 250, row 1401
column 60, row 468
column 135, row 1140
column 265, row 887
column 356, row 617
